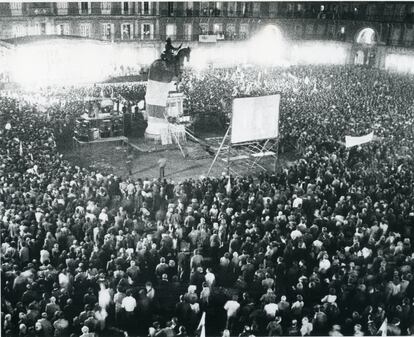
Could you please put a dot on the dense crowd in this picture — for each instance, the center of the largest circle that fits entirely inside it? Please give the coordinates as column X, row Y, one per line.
column 321, row 247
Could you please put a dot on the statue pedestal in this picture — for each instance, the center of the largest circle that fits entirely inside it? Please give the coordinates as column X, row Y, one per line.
column 160, row 130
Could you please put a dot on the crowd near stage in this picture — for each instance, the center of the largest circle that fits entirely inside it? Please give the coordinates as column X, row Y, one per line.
column 246, row 199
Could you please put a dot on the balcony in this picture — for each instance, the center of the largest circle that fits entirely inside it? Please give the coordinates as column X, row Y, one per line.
column 207, row 37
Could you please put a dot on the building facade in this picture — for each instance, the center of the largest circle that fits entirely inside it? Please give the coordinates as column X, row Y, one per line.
column 197, row 22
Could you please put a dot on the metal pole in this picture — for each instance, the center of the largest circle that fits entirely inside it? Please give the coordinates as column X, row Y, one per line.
column 218, row 151
column 228, row 159
column 277, row 154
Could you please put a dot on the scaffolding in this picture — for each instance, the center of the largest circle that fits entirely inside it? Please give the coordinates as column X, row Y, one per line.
column 244, row 148
column 247, row 155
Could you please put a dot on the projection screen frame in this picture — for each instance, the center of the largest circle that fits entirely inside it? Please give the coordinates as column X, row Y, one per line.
column 256, row 139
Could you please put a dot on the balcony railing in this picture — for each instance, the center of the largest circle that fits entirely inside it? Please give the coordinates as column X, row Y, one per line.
column 280, row 13
column 225, row 36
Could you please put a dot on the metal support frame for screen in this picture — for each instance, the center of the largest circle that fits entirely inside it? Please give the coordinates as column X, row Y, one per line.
column 251, row 152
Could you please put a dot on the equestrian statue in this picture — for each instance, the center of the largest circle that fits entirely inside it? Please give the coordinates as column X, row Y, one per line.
column 169, row 66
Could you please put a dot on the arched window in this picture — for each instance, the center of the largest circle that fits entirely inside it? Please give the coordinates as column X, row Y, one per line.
column 366, row 36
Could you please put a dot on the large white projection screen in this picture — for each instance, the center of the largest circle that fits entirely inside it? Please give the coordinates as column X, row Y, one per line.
column 255, row 118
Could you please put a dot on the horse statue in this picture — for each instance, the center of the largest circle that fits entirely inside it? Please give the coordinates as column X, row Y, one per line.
column 165, row 71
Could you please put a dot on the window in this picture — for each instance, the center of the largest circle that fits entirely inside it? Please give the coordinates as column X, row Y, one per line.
column 171, row 30
column 273, row 9
column 39, row 28
column 62, row 29
column 125, row 7
column 244, row 31
column 127, row 31
column 19, row 30
column 204, row 8
column 62, row 5
column 218, row 8
column 84, row 6
column 85, row 29
column 218, row 31
column 170, row 8
column 107, row 31
column 188, row 7
column 62, row 8
column 147, row 31
column 188, row 31
column 203, row 28
column 145, row 8
column 106, row 8
column 15, row 6
column 244, row 8
column 231, row 9
column 36, row 29
column 230, row 31
column 256, row 9
column 218, row 28
column 298, row 30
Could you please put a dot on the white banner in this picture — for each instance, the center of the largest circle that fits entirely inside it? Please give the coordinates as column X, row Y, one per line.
column 207, row 38
column 157, row 92
column 354, row 141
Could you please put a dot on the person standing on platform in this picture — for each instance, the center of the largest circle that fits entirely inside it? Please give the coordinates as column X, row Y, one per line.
column 162, row 162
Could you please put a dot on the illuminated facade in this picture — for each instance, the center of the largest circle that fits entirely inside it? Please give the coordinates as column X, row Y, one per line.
column 151, row 22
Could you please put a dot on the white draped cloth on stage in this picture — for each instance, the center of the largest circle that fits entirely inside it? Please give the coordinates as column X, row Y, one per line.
column 159, row 129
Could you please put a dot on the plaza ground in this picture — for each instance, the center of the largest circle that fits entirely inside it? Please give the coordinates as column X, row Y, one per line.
column 111, row 158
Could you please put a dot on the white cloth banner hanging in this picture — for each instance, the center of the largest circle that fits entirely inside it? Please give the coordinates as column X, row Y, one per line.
column 157, row 92
column 354, row 141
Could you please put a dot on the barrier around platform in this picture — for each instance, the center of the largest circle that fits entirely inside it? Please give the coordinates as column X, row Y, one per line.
column 77, row 144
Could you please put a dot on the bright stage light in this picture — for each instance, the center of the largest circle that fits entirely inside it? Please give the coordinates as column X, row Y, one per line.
column 227, row 54
column 268, row 47
column 318, row 53
column 400, row 63
column 199, row 59
column 61, row 62
column 67, row 62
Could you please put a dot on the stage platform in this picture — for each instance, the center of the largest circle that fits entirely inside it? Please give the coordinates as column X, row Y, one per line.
column 79, row 143
column 147, row 146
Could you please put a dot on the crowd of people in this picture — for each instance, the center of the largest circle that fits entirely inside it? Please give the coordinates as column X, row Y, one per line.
column 321, row 247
